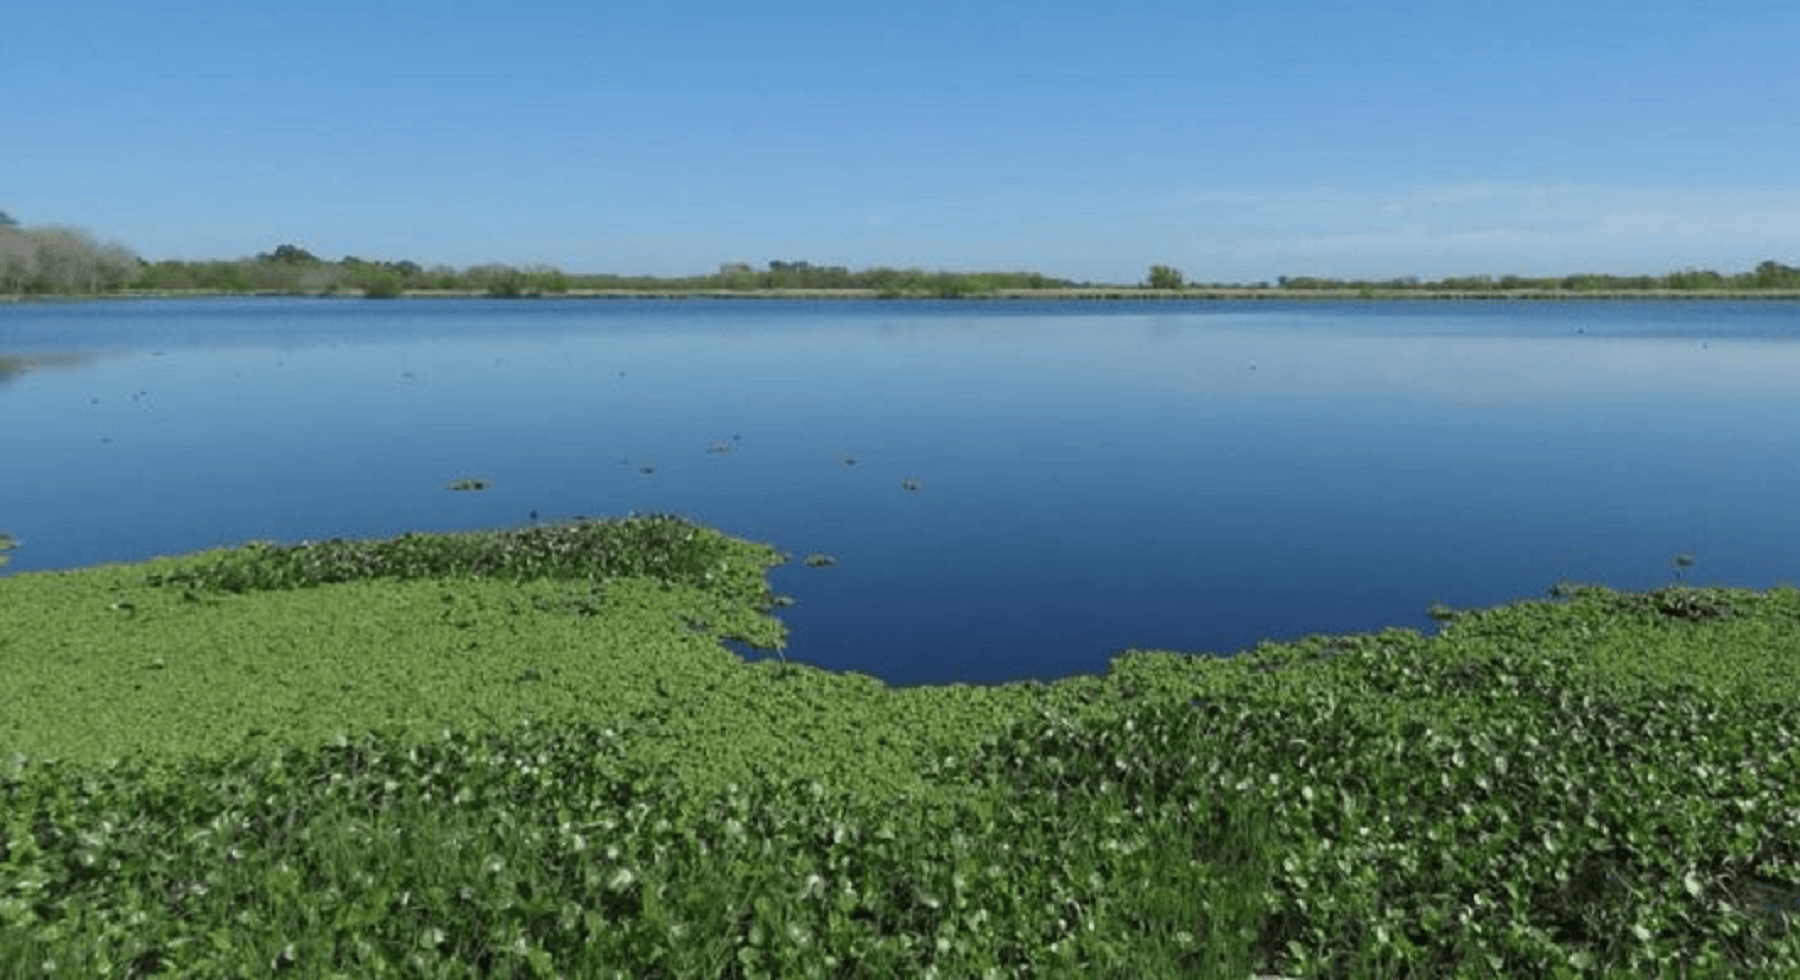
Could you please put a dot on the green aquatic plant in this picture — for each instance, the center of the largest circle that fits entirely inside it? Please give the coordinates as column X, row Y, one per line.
column 656, row 545
column 507, row 762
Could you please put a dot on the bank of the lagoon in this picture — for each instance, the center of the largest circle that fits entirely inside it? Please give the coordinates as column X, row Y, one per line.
column 1049, row 293
column 526, row 753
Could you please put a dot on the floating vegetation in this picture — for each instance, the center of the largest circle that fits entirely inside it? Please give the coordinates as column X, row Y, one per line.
column 912, row 483
column 7, row 543
column 1358, row 813
column 473, row 484
column 719, row 446
column 817, row 560
column 781, row 601
column 658, row 545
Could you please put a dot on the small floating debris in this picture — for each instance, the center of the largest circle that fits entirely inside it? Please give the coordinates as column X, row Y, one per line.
column 782, row 601
column 476, row 484
column 647, row 467
column 848, row 460
column 911, row 483
column 719, row 446
column 817, row 560
column 1682, row 563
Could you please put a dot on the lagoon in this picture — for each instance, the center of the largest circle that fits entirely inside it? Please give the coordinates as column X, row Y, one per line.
column 1009, row 489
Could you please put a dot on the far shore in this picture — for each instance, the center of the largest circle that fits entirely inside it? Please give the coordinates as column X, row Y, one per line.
column 1063, row 294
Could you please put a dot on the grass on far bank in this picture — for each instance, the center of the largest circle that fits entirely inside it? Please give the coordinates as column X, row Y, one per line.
column 525, row 753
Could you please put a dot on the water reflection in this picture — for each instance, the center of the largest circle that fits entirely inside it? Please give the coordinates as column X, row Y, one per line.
column 14, row 366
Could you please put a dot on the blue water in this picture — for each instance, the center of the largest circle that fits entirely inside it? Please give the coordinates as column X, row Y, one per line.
column 1093, row 476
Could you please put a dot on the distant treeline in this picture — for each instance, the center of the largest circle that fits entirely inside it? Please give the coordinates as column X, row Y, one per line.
column 64, row 261
column 291, row 269
column 48, row 261
column 1767, row 275
column 294, row 270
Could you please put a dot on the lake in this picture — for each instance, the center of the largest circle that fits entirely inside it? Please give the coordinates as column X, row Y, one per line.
column 1011, row 489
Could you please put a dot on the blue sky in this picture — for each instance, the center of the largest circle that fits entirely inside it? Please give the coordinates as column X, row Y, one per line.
column 1238, row 140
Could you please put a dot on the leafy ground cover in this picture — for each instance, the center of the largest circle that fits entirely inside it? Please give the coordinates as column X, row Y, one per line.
column 526, row 753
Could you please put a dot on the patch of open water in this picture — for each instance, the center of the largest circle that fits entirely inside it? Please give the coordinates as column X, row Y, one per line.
column 1008, row 489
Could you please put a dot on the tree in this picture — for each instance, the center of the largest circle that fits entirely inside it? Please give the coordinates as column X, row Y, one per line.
column 8, row 221
column 289, row 254
column 1164, row 277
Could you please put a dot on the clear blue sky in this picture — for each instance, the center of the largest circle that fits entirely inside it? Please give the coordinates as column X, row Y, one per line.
column 1238, row 140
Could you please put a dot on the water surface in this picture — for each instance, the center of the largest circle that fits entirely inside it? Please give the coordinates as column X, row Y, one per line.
column 1087, row 476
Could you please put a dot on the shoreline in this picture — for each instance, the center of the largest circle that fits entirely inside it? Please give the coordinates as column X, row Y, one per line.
column 1091, row 294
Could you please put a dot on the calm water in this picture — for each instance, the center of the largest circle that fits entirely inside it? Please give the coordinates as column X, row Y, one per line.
column 1091, row 476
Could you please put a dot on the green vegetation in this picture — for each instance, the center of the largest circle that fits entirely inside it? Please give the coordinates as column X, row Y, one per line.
column 293, row 270
column 526, row 753
column 54, row 260
column 1164, row 277
column 1768, row 275
column 62, row 261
